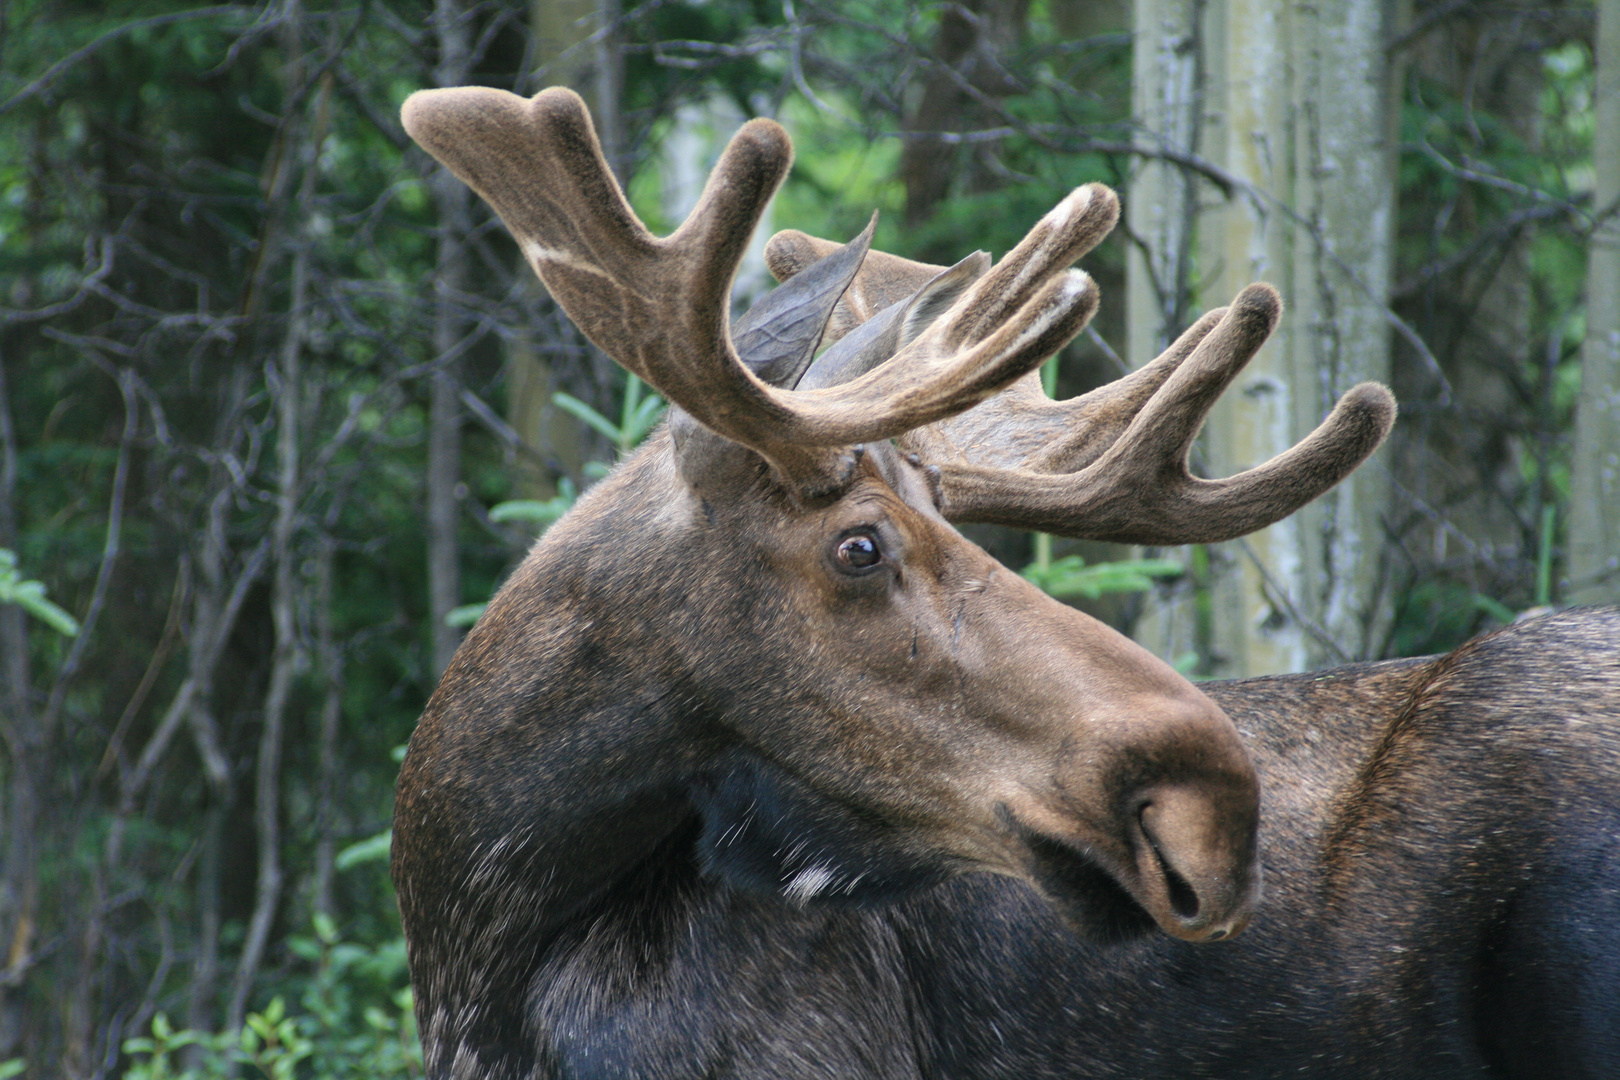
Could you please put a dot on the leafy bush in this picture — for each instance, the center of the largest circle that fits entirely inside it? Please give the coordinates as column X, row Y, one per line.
column 355, row 1020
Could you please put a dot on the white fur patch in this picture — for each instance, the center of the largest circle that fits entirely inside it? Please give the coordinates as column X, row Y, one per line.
column 1075, row 283
column 807, row 883
column 1072, row 206
column 538, row 254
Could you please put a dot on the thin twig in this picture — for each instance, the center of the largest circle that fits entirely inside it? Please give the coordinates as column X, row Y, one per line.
column 45, row 81
column 109, row 554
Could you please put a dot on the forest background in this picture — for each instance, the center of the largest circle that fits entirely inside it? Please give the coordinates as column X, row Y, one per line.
column 280, row 404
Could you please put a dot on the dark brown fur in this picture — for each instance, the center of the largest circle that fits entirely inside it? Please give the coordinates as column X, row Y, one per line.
column 676, row 697
column 1442, row 844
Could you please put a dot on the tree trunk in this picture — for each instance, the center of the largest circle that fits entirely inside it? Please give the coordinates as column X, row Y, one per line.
column 330, row 658
column 1594, row 526
column 284, row 376
column 969, row 51
column 289, row 657
column 576, row 44
column 450, row 196
column 1297, row 105
column 1161, row 216
column 20, row 798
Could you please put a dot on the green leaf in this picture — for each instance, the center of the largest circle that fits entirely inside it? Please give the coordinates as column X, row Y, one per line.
column 544, row 511
column 372, row 849
column 1494, row 608
column 641, row 420
column 1070, row 576
column 570, row 404
column 30, row 596
column 465, row 615
column 11, row 1068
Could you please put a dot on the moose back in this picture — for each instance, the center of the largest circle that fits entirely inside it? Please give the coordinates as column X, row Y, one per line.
column 757, row 767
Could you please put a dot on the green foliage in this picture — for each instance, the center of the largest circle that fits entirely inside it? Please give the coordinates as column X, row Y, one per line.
column 1437, row 616
column 372, row 849
column 638, row 415
column 1070, row 577
column 1495, row 212
column 355, row 1021
column 542, row 512
column 30, row 596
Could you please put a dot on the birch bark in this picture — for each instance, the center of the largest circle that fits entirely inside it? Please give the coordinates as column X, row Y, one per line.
column 1594, row 527
column 1292, row 99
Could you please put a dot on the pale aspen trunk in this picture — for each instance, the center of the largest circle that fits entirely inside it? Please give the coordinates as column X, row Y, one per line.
column 453, row 203
column 1160, row 212
column 1248, row 238
column 609, row 85
column 1297, row 100
column 1161, row 207
column 1594, row 525
column 1343, row 188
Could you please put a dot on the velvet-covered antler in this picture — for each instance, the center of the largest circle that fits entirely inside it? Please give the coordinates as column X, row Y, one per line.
column 1112, row 464
column 659, row 306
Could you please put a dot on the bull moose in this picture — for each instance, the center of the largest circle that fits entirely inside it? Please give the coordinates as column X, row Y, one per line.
column 756, row 767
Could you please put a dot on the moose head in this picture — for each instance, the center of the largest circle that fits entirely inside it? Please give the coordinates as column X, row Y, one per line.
column 761, row 648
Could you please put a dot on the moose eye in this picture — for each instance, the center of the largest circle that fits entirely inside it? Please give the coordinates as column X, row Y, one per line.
column 859, row 552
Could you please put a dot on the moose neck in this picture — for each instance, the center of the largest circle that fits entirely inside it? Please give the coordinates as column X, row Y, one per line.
column 554, row 752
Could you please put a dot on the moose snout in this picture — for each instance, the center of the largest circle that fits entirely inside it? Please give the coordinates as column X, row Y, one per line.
column 1199, row 875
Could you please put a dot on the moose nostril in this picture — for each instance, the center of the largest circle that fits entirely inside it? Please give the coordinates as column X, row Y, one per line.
column 1183, row 897
column 1202, row 877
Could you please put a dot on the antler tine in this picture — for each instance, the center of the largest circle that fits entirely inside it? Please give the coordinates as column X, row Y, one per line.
column 659, row 306
column 1021, row 427
column 1097, row 419
column 1139, row 489
column 1112, row 464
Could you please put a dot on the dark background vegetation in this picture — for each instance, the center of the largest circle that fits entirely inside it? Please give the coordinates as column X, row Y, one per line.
column 257, row 399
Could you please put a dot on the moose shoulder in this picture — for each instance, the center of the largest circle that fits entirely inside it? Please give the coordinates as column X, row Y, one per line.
column 756, row 767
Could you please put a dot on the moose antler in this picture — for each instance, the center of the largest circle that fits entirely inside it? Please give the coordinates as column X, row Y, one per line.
column 1112, row 464
column 660, row 306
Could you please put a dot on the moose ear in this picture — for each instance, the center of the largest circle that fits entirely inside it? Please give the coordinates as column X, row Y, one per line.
column 895, row 327
column 885, row 281
column 777, row 338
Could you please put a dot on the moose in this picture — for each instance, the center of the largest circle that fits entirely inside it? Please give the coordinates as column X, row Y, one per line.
column 757, row 767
